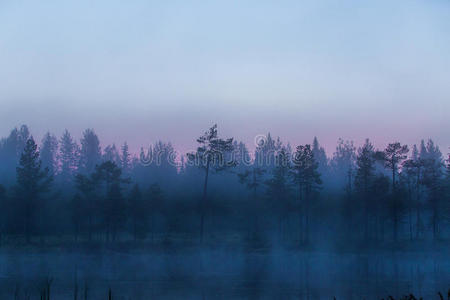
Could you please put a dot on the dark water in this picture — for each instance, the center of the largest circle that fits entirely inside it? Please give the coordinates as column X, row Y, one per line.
column 223, row 274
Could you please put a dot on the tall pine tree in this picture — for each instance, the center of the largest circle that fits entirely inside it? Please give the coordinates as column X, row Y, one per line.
column 32, row 183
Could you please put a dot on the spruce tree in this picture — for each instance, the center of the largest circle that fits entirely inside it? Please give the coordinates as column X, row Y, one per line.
column 32, row 183
column 307, row 178
column 365, row 168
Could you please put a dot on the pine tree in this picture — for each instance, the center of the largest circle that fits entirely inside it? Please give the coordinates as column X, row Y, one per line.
column 210, row 155
column 279, row 187
column 432, row 177
column 266, row 151
column 10, row 151
column 68, row 157
column 109, row 176
column 32, row 182
column 307, row 178
column 343, row 165
column 90, row 153
column 125, row 159
column 49, row 152
column 365, row 167
column 393, row 156
column 111, row 154
column 320, row 157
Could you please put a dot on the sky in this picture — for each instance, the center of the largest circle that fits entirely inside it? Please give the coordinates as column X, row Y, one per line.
column 141, row 71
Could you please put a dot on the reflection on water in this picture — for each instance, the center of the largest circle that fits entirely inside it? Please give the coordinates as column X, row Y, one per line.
column 224, row 274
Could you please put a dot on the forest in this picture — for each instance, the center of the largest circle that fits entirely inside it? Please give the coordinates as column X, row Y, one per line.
column 59, row 191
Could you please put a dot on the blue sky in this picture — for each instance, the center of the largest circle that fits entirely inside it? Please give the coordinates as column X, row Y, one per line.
column 146, row 70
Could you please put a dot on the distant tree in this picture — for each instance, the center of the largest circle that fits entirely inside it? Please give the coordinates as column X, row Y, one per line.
column 68, row 157
column 320, row 157
column 412, row 176
column 32, row 183
column 419, row 173
column 279, row 187
column 307, row 178
column 343, row 165
column 139, row 212
column 11, row 149
column 393, row 156
column 125, row 159
column 90, row 153
column 210, row 155
column 111, row 154
column 164, row 163
column 365, row 168
column 242, row 157
column 433, row 165
column 158, row 164
column 109, row 176
column 49, row 152
column 266, row 151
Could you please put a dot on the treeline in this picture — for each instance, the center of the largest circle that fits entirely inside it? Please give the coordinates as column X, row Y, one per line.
column 67, row 191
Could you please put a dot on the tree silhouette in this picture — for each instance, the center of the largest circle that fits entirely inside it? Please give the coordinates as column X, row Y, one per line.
column 320, row 157
column 109, row 175
column 90, row 153
column 278, row 186
column 210, row 154
column 48, row 153
column 393, row 156
column 10, row 151
column 125, row 159
column 32, row 182
column 68, row 157
column 433, row 165
column 343, row 164
column 365, row 162
column 110, row 153
column 308, row 180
